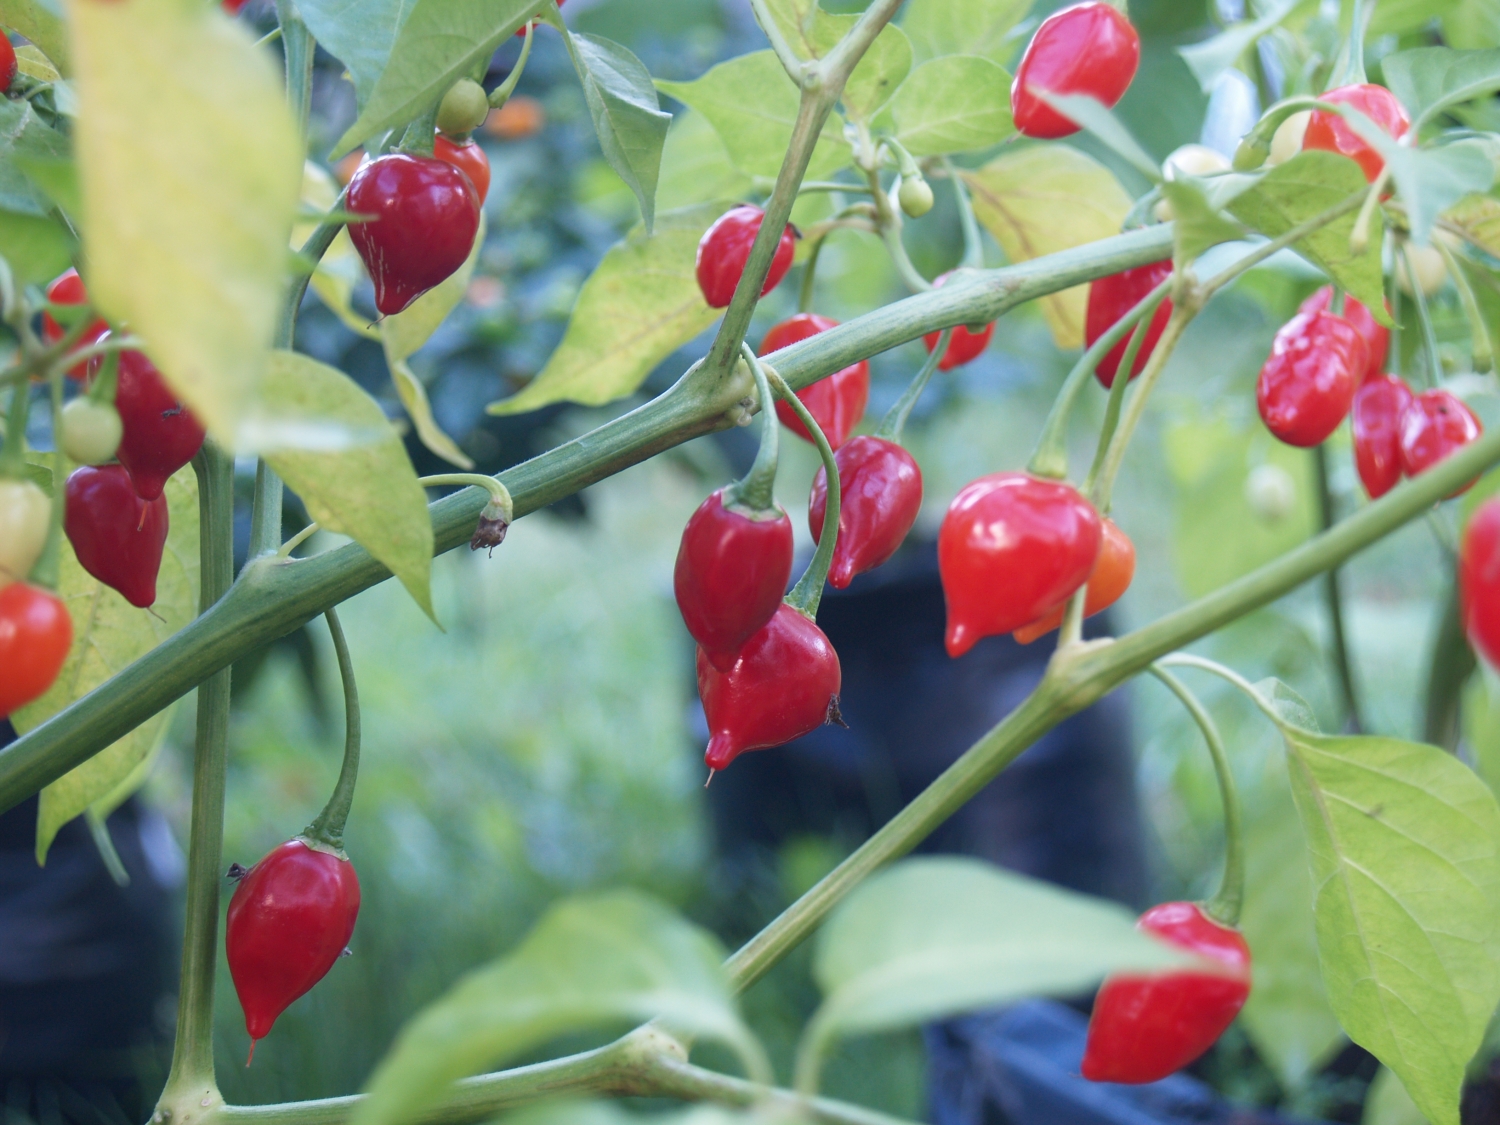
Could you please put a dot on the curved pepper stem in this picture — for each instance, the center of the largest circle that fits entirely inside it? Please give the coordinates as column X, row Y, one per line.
column 756, row 492
column 328, row 828
column 895, row 418
column 808, row 591
column 1224, row 907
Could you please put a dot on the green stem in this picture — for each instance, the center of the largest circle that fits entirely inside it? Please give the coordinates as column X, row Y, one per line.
column 1448, row 670
column 757, row 491
column 808, row 591
column 895, row 418
column 1424, row 318
column 192, row 1075
column 1333, row 598
column 1051, row 456
column 1394, row 361
column 48, row 569
column 421, row 133
column 790, row 62
column 299, row 47
column 328, row 828
column 1359, row 237
column 1482, row 349
column 501, row 93
column 13, row 461
column 888, row 223
column 809, row 276
column 1112, row 407
column 500, row 499
column 973, row 246
column 1225, row 906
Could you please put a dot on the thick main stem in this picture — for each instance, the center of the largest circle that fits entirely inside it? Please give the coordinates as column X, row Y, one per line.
column 192, row 1076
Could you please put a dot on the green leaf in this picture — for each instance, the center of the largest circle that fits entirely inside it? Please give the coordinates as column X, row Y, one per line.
column 1302, row 188
column 1388, row 1103
column 955, row 104
column 108, row 634
column 640, row 305
column 1472, row 24
column 963, row 27
column 349, row 467
column 439, row 42
column 24, row 135
column 695, row 166
column 591, row 962
column 32, row 62
column 1094, row 116
column 1478, row 217
column 627, row 117
column 752, row 105
column 42, row 23
column 1196, row 224
column 879, row 73
column 191, row 167
column 359, row 33
column 930, row 938
column 1404, row 842
column 403, row 333
column 1428, row 80
column 1210, row 58
column 37, row 248
column 1043, row 199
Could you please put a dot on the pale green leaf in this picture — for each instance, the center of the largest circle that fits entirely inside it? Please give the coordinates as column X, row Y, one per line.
column 695, row 166
column 628, row 120
column 359, row 33
column 1478, row 218
column 930, row 938
column 1404, row 842
column 1094, row 116
column 24, row 135
column 186, row 239
column 1473, row 24
column 1301, row 189
column 1428, row 80
column 963, row 27
column 42, row 23
column 1388, row 1103
column 640, row 305
column 31, row 62
column 954, row 104
column 798, row 22
column 438, row 42
column 37, row 248
column 1210, row 58
column 1196, row 225
column 346, row 461
column 591, row 962
column 414, row 399
column 108, row 634
column 1044, row 199
column 752, row 105
column 1397, row 17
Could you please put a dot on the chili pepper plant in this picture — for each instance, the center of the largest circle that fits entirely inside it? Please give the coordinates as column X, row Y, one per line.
column 163, row 215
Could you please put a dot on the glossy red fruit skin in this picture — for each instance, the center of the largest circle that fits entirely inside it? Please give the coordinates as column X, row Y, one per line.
column 725, row 248
column 469, row 158
column 1377, row 338
column 1086, row 49
column 290, row 918
column 1330, row 131
column 8, row 64
column 1112, row 297
column 1435, row 425
column 1479, row 580
column 731, row 573
column 67, row 289
column 1376, row 419
column 783, row 684
column 881, row 496
column 837, row 401
column 426, row 216
column 117, row 536
column 1012, row 546
column 161, row 435
column 1147, row 1027
column 1308, row 382
column 963, row 345
column 35, row 635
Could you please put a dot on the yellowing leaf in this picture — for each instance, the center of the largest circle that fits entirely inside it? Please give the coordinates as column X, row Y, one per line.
column 1044, row 199
column 108, row 634
column 637, row 308
column 37, row 20
column 359, row 483
column 190, row 165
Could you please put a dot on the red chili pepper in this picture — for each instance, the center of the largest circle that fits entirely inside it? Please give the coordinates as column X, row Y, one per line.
column 117, row 536
column 1147, row 1027
column 469, row 158
column 781, row 685
column 1377, row 338
column 1307, row 384
column 732, row 569
column 8, row 64
column 1111, row 578
column 836, row 401
column 881, row 495
column 1479, row 580
column 289, row 920
column 1086, row 49
column 1332, row 132
column 160, row 434
column 1376, row 417
column 67, row 289
column 1012, row 546
column 425, row 214
column 725, row 248
column 1112, row 297
column 963, row 345
column 35, row 635
column 1435, row 425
